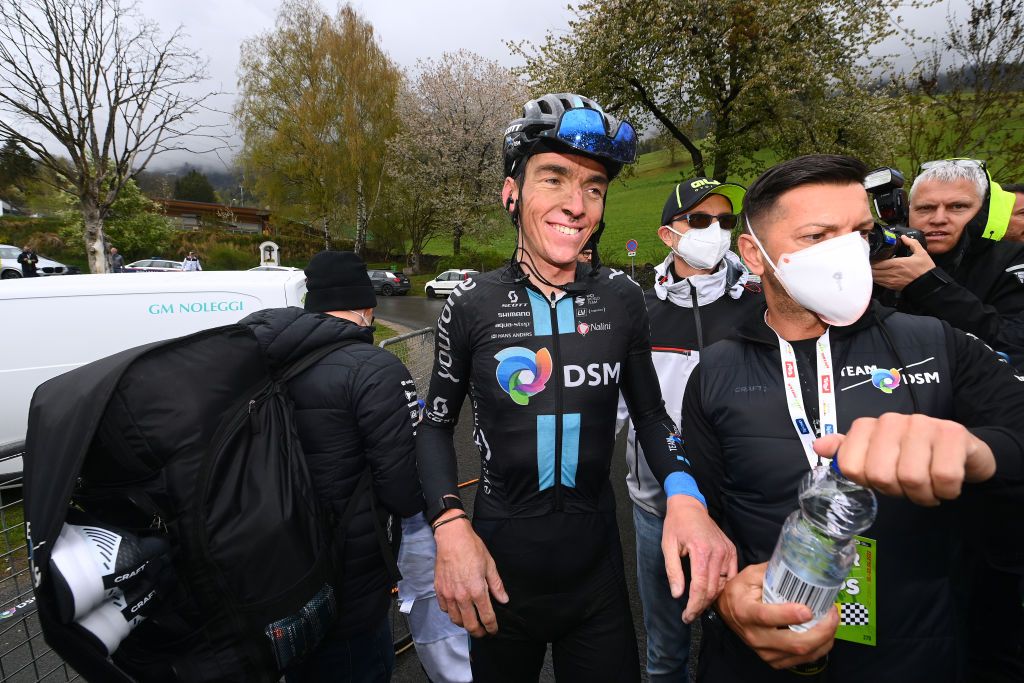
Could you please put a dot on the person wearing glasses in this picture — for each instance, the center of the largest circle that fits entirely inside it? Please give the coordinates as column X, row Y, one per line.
column 701, row 290
column 543, row 346
column 970, row 281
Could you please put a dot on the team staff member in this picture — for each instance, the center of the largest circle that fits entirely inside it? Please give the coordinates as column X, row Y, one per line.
column 544, row 346
column 700, row 292
column 355, row 410
column 970, row 282
column 929, row 415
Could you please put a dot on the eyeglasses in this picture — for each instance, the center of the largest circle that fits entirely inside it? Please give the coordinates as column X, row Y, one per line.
column 965, row 163
column 700, row 220
column 584, row 129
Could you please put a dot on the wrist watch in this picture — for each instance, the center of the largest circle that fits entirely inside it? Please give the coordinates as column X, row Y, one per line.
column 448, row 501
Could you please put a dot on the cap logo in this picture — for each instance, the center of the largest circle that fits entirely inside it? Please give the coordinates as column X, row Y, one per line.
column 702, row 182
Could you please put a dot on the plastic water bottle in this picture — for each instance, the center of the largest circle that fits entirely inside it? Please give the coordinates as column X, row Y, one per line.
column 815, row 550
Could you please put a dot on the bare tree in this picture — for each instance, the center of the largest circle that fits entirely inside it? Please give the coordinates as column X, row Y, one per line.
column 94, row 92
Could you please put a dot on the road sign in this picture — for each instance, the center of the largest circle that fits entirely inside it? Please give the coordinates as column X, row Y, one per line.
column 631, row 245
column 630, row 254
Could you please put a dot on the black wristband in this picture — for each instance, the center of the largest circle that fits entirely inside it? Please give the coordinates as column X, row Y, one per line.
column 461, row 515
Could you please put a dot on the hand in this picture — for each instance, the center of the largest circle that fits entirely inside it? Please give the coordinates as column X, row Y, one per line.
column 465, row 577
column 761, row 626
column 688, row 530
column 897, row 273
column 920, row 457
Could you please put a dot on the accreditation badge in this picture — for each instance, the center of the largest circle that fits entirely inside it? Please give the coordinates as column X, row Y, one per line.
column 856, row 599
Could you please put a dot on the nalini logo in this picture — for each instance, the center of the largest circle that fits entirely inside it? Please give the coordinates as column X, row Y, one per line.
column 886, row 380
column 583, row 328
column 522, row 373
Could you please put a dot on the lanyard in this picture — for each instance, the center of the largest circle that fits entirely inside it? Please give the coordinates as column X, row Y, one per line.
column 794, row 397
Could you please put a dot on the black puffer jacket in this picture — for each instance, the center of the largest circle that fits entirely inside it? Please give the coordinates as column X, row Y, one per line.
column 356, row 407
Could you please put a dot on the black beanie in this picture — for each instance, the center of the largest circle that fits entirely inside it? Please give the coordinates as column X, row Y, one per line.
column 338, row 281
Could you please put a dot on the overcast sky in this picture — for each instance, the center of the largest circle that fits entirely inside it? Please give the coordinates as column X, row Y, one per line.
column 408, row 30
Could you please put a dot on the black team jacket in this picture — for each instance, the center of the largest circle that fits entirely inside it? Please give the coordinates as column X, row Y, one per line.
column 748, row 461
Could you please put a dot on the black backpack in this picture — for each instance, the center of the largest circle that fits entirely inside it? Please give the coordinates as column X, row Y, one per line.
column 191, row 440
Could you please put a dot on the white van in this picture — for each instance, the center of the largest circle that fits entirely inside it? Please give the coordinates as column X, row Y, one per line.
column 54, row 324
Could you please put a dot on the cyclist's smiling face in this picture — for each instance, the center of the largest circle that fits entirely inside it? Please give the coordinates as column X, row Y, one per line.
column 562, row 202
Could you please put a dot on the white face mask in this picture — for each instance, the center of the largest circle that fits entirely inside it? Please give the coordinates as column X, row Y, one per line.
column 831, row 279
column 702, row 248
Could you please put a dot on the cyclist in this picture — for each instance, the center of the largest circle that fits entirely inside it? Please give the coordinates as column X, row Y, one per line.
column 543, row 346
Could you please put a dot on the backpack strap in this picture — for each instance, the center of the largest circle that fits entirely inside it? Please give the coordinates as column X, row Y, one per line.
column 312, row 358
column 365, row 485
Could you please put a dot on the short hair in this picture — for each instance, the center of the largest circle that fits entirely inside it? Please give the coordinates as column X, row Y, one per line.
column 1017, row 188
column 948, row 171
column 811, row 169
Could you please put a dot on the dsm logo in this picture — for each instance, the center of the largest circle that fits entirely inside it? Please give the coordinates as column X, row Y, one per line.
column 522, row 373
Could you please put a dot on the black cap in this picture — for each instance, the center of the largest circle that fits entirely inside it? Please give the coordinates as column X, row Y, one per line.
column 689, row 193
column 338, row 281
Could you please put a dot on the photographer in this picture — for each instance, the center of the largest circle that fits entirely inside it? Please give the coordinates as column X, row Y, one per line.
column 966, row 280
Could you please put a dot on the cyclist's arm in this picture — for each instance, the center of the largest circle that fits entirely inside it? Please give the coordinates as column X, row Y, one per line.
column 435, row 438
column 655, row 430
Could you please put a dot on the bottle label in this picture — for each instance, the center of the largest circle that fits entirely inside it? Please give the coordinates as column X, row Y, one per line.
column 856, row 599
column 783, row 585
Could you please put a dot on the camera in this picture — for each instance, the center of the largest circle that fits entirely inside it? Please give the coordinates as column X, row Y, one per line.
column 885, row 185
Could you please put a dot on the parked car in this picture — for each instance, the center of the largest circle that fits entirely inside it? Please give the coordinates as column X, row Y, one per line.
column 154, row 265
column 387, row 282
column 443, row 284
column 275, row 268
column 10, row 268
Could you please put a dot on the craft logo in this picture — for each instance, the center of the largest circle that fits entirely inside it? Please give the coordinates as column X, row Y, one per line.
column 583, row 328
column 522, row 373
column 790, row 369
column 886, row 380
column 826, row 384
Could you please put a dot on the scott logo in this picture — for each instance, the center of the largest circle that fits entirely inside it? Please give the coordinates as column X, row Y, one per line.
column 513, row 297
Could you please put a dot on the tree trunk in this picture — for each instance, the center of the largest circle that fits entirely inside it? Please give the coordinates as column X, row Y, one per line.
column 361, row 219
column 95, row 240
column 695, row 154
column 457, row 240
column 414, row 259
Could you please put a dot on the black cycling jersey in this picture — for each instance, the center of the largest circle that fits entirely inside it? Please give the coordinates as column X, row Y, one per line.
column 544, row 377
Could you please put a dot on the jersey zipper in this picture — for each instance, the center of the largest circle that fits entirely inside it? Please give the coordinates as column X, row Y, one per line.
column 558, row 402
column 696, row 318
